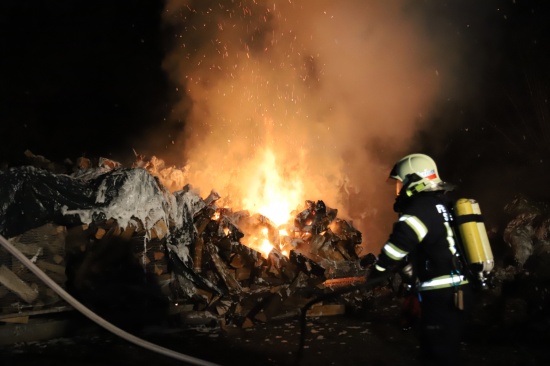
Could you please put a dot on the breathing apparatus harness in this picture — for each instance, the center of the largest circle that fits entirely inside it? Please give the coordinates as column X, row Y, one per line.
column 458, row 275
column 474, row 257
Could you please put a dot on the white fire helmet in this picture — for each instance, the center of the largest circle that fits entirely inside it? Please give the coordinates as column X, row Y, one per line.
column 417, row 172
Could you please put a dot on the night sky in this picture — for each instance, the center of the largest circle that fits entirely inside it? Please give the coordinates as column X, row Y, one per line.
column 85, row 79
column 80, row 78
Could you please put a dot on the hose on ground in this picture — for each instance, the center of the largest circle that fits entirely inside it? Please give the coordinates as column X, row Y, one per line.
column 96, row 318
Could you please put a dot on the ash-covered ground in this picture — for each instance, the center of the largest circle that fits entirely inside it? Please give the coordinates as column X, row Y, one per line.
column 497, row 334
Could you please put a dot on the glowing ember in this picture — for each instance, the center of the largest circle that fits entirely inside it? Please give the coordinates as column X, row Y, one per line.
column 266, row 247
column 260, row 241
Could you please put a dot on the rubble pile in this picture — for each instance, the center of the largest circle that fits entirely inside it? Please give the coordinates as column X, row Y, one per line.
column 197, row 253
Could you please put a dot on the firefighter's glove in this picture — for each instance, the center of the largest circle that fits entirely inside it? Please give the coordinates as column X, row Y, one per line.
column 407, row 274
column 376, row 273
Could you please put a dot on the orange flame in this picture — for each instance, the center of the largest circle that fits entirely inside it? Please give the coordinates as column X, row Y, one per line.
column 272, row 193
column 260, row 241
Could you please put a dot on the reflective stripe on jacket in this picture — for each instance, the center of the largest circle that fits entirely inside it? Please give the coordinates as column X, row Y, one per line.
column 442, row 282
column 423, row 235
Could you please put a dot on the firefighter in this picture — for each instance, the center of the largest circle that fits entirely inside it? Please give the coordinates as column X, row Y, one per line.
column 423, row 235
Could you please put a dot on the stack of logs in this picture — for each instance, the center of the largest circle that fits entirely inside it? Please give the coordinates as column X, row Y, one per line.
column 21, row 291
column 224, row 280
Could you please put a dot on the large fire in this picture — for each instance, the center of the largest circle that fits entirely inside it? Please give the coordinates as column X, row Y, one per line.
column 273, row 194
column 331, row 82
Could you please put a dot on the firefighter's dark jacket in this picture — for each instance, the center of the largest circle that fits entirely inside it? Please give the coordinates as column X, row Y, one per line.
column 423, row 234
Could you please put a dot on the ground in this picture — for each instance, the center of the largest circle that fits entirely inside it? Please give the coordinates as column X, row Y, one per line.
column 370, row 337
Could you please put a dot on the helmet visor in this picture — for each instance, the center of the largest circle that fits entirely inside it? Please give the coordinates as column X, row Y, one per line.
column 394, row 174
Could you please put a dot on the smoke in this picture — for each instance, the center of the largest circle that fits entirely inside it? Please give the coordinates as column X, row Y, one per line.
column 332, row 91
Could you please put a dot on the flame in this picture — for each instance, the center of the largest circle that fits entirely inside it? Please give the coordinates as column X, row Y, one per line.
column 260, row 241
column 266, row 247
column 272, row 192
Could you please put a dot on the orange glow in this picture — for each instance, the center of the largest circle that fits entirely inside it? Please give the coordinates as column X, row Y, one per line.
column 266, row 248
column 259, row 241
column 273, row 193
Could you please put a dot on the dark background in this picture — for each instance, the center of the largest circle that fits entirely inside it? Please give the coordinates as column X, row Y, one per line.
column 85, row 79
column 79, row 77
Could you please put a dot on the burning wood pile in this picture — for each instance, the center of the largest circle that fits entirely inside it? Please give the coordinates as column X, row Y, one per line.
column 209, row 262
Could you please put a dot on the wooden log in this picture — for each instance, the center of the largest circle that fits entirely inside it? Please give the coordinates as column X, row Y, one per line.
column 342, row 249
column 48, row 236
column 83, row 163
column 113, row 229
column 306, row 265
column 232, row 285
column 100, row 233
column 243, row 274
column 27, row 249
column 16, row 320
column 247, row 323
column 158, row 255
column 128, row 232
column 77, row 240
column 344, row 281
column 223, row 306
column 212, row 197
column 237, row 261
column 206, row 295
column 160, row 269
column 197, row 254
column 316, row 243
column 108, row 163
column 201, row 223
column 159, row 230
column 331, row 253
column 326, row 310
column 272, row 305
column 50, row 267
column 16, row 285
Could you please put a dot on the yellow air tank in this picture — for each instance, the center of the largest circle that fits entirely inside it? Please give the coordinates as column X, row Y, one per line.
column 474, row 238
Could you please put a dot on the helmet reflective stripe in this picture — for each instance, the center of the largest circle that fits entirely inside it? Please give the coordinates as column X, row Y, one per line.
column 415, row 224
column 379, row 268
column 442, row 282
column 394, row 252
column 450, row 238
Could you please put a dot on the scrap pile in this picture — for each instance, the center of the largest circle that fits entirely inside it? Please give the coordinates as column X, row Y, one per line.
column 192, row 252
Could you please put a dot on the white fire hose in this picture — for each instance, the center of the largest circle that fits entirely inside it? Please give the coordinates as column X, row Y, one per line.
column 93, row 316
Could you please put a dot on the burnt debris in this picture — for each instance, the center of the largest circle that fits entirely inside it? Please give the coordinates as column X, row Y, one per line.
column 188, row 249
